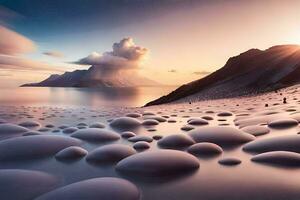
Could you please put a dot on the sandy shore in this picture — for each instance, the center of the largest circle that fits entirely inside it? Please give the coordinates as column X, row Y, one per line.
column 239, row 148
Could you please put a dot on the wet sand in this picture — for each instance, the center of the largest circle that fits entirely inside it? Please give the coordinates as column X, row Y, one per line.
column 240, row 148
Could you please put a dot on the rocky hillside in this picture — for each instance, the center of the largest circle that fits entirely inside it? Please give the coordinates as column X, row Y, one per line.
column 250, row 72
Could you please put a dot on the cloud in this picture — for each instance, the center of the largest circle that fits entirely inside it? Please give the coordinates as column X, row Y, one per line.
column 172, row 71
column 12, row 43
column 5, row 75
column 8, row 62
column 201, row 73
column 54, row 54
column 125, row 55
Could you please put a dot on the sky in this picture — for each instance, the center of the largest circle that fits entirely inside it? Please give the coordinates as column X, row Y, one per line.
column 182, row 40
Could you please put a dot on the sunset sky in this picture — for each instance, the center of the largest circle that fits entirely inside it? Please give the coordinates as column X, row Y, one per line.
column 184, row 39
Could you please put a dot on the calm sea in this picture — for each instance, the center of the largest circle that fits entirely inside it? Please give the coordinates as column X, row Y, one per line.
column 91, row 97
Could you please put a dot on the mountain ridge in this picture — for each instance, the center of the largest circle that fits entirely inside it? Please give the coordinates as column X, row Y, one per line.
column 94, row 77
column 252, row 71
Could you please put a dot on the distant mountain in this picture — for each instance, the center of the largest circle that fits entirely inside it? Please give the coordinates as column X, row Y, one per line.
column 250, row 72
column 95, row 77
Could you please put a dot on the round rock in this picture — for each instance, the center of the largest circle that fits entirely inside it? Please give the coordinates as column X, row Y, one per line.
column 158, row 163
column 19, row 184
column 44, row 129
column 224, row 114
column 37, row 146
column 197, row 122
column 11, row 129
column 141, row 145
column 278, row 158
column 230, row 161
column 256, row 130
column 176, row 141
column 97, row 125
column 222, row 136
column 128, row 134
column 140, row 138
column 157, row 118
column 63, row 126
column 157, row 137
column 147, row 113
column 30, row 124
column 95, row 189
column 71, row 153
column 205, row 149
column 125, row 122
column 187, row 128
column 133, row 115
column 207, row 118
column 172, row 121
column 30, row 133
column 96, row 135
column 150, row 122
column 110, row 153
column 283, row 123
column 70, row 130
column 280, row 143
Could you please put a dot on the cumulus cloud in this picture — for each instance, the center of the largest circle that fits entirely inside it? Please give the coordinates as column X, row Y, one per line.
column 12, row 43
column 201, row 73
column 125, row 55
column 54, row 54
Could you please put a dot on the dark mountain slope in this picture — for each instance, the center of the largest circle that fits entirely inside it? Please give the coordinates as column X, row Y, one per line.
column 250, row 72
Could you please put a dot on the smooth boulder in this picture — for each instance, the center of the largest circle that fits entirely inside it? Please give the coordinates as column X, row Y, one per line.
column 140, row 138
column 29, row 124
column 95, row 189
column 36, row 146
column 125, row 122
column 71, row 153
column 222, row 136
column 97, row 125
column 197, row 122
column 230, row 161
column 17, row 184
column 11, row 129
column 205, row 149
column 158, row 163
column 283, row 123
column 96, row 135
column 141, row 145
column 176, row 141
column 70, row 130
column 278, row 158
column 256, row 130
column 280, row 143
column 110, row 153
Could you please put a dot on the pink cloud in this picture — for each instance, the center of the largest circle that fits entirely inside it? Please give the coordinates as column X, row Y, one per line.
column 20, row 63
column 54, row 54
column 12, row 43
column 125, row 55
